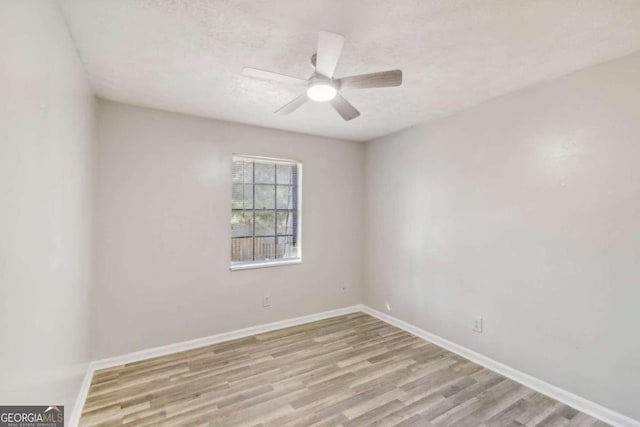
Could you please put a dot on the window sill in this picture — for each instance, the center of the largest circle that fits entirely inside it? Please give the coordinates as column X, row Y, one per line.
column 264, row 264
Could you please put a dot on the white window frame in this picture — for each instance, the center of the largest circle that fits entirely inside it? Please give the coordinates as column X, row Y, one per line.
column 246, row 265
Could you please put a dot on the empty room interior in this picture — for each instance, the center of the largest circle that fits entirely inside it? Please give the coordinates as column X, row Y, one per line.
column 320, row 213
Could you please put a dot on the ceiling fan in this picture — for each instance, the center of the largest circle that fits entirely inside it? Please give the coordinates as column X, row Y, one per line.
column 322, row 86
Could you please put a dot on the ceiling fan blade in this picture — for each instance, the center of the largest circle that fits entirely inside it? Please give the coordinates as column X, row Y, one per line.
column 293, row 105
column 268, row 75
column 329, row 50
column 363, row 81
column 344, row 108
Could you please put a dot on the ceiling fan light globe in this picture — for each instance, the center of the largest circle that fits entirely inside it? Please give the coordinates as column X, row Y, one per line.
column 321, row 92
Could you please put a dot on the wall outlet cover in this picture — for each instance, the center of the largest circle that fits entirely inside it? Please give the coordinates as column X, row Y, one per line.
column 477, row 325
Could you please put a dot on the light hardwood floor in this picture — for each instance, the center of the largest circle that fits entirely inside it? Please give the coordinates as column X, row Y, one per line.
column 351, row 370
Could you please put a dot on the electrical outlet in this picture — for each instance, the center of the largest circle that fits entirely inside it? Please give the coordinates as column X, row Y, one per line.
column 266, row 301
column 343, row 290
column 477, row 325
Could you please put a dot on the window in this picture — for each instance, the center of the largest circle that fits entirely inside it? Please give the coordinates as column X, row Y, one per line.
column 265, row 212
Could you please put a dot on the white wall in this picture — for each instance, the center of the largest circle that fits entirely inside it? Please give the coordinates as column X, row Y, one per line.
column 46, row 110
column 524, row 210
column 162, row 229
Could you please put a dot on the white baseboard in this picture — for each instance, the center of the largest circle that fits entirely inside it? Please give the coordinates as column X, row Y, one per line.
column 591, row 408
column 581, row 404
column 82, row 396
column 189, row 345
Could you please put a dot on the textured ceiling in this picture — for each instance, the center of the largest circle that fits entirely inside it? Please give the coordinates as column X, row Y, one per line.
column 187, row 55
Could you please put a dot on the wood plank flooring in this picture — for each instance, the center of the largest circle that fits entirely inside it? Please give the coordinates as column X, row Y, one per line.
column 351, row 370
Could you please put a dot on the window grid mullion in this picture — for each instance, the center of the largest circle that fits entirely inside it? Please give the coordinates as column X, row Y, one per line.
column 294, row 197
column 275, row 210
column 253, row 203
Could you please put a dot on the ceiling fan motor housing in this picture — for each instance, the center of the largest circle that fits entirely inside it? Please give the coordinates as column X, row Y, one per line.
column 319, row 79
